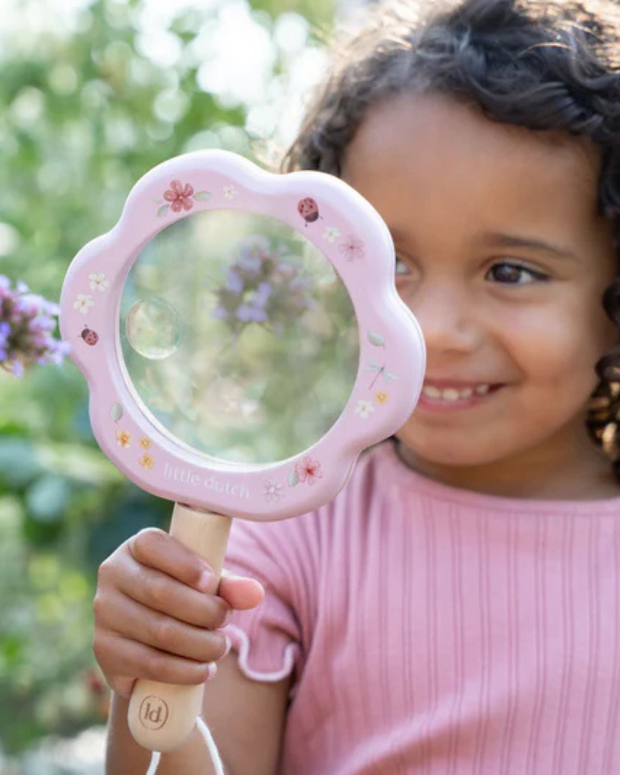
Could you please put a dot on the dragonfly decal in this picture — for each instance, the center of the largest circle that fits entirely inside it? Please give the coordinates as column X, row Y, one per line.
column 381, row 371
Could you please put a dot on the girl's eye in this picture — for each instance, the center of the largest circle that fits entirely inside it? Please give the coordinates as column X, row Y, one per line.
column 401, row 268
column 514, row 274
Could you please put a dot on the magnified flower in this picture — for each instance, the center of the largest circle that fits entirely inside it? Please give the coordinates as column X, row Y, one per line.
column 179, row 196
column 262, row 285
column 234, row 283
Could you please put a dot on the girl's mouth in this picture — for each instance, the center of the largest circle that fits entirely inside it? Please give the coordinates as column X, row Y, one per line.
column 445, row 395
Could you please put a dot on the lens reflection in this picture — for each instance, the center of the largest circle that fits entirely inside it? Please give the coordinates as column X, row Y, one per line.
column 154, row 328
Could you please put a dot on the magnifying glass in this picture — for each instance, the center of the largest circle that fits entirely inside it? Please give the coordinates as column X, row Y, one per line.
column 243, row 342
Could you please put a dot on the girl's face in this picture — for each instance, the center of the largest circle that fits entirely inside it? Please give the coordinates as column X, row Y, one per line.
column 503, row 259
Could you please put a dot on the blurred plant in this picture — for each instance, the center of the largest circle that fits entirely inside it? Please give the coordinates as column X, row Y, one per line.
column 262, row 286
column 27, row 322
column 93, row 94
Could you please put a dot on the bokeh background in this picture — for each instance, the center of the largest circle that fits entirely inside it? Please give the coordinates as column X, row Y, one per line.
column 92, row 95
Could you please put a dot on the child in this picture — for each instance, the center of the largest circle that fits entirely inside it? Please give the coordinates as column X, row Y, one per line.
column 456, row 609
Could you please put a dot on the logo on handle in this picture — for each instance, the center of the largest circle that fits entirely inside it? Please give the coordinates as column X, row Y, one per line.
column 153, row 713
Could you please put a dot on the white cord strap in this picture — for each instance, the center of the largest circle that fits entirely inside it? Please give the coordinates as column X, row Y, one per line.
column 211, row 748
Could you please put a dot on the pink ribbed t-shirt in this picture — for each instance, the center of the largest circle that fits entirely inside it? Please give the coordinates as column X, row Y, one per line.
column 437, row 631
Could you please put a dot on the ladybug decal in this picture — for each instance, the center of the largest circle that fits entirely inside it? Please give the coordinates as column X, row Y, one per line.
column 89, row 336
column 308, row 209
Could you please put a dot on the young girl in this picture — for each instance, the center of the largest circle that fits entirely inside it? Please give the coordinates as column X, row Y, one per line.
column 456, row 609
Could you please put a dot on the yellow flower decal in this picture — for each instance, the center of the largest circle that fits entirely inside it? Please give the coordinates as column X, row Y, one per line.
column 123, row 439
column 381, row 397
column 147, row 462
column 145, row 443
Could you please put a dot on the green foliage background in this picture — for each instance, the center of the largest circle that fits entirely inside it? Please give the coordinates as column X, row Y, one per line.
column 84, row 112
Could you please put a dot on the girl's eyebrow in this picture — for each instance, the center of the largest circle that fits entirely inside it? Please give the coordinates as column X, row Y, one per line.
column 501, row 239
column 534, row 243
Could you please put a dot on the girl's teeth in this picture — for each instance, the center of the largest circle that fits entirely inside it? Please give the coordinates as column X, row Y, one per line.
column 452, row 394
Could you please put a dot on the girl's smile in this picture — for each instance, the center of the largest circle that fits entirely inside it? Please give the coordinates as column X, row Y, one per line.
column 451, row 395
column 503, row 257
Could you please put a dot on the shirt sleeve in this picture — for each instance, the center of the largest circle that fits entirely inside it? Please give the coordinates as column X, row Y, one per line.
column 269, row 638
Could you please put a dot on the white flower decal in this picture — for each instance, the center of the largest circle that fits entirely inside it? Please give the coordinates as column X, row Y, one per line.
column 273, row 490
column 98, row 282
column 331, row 233
column 230, row 192
column 84, row 303
column 364, row 409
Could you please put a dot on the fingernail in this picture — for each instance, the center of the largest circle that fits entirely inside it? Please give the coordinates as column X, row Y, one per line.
column 228, row 646
column 212, row 671
column 205, row 580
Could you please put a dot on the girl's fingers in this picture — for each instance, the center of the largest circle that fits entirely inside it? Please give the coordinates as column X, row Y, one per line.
column 158, row 550
column 239, row 592
column 124, row 660
column 164, row 594
column 134, row 622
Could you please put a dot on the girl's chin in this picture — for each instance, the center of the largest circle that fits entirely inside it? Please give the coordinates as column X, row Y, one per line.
column 451, row 456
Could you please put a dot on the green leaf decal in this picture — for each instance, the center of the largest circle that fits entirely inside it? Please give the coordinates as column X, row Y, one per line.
column 202, row 196
column 117, row 412
column 376, row 339
column 293, row 479
column 162, row 211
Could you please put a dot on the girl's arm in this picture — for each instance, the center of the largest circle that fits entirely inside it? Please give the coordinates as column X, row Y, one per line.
column 154, row 620
column 246, row 719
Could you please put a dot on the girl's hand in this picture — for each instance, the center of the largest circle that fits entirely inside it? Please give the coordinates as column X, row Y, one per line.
column 153, row 618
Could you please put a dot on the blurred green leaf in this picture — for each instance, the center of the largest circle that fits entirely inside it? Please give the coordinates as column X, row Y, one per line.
column 48, row 498
column 20, row 461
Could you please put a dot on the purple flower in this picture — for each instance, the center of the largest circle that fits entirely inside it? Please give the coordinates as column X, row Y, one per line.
column 16, row 368
column 26, row 325
column 219, row 313
column 244, row 313
column 250, row 264
column 233, row 282
column 262, row 286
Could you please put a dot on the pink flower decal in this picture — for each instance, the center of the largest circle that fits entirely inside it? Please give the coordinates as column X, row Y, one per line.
column 308, row 470
column 273, row 490
column 179, row 196
column 351, row 248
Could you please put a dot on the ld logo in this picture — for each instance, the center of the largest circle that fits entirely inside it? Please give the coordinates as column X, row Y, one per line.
column 153, row 713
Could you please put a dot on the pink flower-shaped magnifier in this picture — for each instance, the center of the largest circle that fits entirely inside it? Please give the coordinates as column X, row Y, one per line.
column 243, row 342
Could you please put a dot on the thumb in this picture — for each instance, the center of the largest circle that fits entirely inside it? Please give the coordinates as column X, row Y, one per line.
column 240, row 592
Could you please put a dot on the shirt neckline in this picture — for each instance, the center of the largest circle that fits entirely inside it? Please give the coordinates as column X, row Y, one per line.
column 420, row 483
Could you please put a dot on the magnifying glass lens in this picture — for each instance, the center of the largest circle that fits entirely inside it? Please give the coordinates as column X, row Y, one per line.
column 238, row 338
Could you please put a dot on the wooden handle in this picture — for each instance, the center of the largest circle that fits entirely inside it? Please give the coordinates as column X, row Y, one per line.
column 162, row 716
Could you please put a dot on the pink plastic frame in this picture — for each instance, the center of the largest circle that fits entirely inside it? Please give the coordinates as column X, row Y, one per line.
column 348, row 232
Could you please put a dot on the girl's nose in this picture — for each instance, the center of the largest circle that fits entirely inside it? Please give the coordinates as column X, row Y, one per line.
column 448, row 318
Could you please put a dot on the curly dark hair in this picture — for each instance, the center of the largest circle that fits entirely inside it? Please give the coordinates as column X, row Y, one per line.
column 540, row 64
